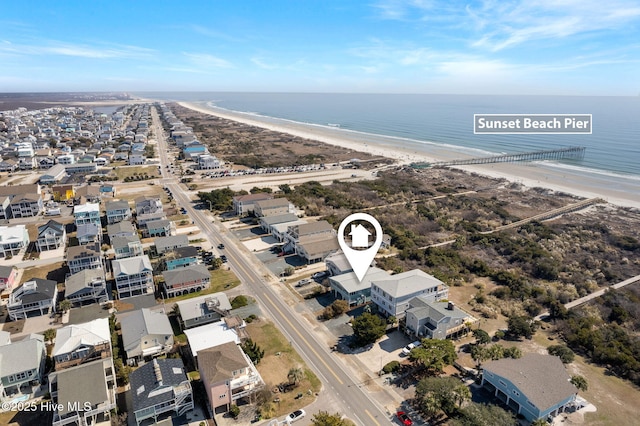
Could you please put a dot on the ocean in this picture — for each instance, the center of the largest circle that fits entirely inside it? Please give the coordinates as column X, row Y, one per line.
column 613, row 148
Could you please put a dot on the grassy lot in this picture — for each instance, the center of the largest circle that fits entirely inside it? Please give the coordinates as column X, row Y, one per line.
column 128, row 171
column 53, row 271
column 221, row 280
column 279, row 358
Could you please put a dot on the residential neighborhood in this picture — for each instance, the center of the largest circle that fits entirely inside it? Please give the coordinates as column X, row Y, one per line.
column 130, row 299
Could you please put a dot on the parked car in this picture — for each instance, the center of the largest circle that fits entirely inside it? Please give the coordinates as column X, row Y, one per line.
column 304, row 282
column 404, row 419
column 295, row 416
column 320, row 275
column 407, row 349
column 224, row 258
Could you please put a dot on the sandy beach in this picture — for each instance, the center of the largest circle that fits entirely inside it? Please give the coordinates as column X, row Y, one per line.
column 623, row 193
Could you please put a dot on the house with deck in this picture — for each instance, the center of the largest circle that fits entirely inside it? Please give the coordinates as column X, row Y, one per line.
column 84, row 394
column 128, row 246
column 87, row 213
column 84, row 257
column 146, row 333
column 392, row 295
column 22, row 366
column 51, row 236
column 158, row 388
column 189, row 279
column 436, row 319
column 535, row 386
column 117, row 211
column 86, row 287
column 133, row 276
column 77, row 344
column 227, row 374
column 202, row 310
column 33, row 298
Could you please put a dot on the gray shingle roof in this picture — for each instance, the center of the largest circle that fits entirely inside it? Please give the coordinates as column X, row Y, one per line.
column 78, row 281
column 186, row 274
column 541, row 378
column 143, row 322
column 21, row 356
column 83, row 383
column 197, row 306
column 58, row 228
column 145, row 380
column 408, row 283
column 45, row 290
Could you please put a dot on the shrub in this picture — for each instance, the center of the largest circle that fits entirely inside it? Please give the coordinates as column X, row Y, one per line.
column 239, row 302
column 234, row 411
column 391, row 367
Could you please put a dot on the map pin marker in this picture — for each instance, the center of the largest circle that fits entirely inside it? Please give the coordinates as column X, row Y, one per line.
column 360, row 260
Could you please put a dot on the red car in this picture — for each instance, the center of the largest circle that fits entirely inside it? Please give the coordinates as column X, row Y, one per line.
column 404, row 419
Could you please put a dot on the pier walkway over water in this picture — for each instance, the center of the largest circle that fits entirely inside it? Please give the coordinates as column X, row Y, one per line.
column 573, row 152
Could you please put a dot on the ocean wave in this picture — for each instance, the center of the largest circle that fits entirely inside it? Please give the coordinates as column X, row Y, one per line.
column 589, row 170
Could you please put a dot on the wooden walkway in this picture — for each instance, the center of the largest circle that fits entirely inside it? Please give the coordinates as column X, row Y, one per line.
column 575, row 152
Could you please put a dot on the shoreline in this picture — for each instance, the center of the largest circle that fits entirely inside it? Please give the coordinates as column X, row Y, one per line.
column 528, row 174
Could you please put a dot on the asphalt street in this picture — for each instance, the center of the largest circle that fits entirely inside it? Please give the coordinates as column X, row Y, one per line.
column 336, row 378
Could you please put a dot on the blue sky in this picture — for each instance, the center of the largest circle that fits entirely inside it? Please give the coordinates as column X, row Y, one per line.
column 581, row 47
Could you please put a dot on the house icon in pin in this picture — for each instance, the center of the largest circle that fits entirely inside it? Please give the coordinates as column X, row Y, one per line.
column 359, row 236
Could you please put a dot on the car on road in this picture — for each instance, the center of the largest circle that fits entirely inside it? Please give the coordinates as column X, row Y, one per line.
column 407, row 349
column 320, row 275
column 224, row 258
column 404, row 418
column 295, row 416
column 220, row 246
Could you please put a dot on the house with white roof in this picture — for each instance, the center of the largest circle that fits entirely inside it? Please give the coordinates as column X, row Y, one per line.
column 13, row 240
column 133, row 276
column 87, row 213
column 208, row 162
column 81, row 343
column 215, row 334
column 392, row 295
column 146, row 334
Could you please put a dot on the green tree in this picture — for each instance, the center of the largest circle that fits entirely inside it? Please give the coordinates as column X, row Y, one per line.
column 64, row 305
column 239, row 301
column 441, row 394
column 521, row 326
column 122, row 372
column 285, row 188
column 323, row 418
column 253, row 351
column 295, row 375
column 434, row 354
column 479, row 354
column 49, row 335
column 337, row 308
column 216, row 263
column 234, row 410
column 540, row 422
column 482, row 337
column 367, row 328
column 580, row 382
column 475, row 414
column 495, row 352
column 565, row 354
column 512, row 352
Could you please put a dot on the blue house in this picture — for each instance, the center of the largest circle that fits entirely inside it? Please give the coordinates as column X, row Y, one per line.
column 180, row 257
column 535, row 386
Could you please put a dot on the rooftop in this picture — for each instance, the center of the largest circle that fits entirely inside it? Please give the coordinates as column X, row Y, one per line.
column 197, row 306
column 408, row 283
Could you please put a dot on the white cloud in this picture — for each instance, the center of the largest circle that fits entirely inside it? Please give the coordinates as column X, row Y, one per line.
column 57, row 48
column 206, row 61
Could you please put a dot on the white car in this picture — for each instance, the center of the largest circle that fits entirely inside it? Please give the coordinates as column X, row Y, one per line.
column 295, row 416
column 407, row 349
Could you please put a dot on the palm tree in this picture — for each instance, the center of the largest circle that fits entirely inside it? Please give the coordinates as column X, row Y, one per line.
column 64, row 306
column 295, row 375
column 461, row 394
column 49, row 335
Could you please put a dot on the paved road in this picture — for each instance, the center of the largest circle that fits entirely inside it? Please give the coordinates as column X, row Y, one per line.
column 354, row 401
